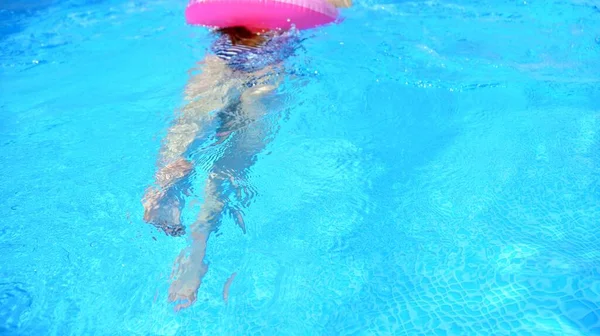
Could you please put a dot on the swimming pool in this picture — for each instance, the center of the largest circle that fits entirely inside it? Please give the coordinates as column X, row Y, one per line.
column 436, row 170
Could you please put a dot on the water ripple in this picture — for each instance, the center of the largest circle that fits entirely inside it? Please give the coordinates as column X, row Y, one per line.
column 15, row 304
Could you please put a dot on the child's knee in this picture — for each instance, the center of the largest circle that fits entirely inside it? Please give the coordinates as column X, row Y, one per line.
column 258, row 91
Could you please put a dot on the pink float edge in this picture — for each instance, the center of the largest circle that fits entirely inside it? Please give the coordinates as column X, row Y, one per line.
column 252, row 14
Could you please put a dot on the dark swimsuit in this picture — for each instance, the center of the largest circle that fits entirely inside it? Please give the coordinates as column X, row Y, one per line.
column 276, row 49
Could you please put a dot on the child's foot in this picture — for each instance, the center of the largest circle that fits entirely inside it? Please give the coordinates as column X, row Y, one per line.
column 188, row 277
column 163, row 212
column 161, row 208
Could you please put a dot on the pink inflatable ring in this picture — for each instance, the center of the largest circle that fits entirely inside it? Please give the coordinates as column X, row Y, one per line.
column 261, row 14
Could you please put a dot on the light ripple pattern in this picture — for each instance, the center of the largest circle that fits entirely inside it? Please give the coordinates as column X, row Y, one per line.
column 433, row 168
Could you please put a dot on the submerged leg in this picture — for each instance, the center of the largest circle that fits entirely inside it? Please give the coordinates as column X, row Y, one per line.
column 244, row 145
column 206, row 94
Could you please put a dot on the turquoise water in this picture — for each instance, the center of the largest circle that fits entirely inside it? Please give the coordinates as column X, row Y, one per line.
column 434, row 169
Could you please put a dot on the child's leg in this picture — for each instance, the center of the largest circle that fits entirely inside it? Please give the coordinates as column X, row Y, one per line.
column 244, row 145
column 207, row 93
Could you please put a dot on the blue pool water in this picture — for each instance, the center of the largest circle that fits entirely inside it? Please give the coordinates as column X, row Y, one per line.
column 434, row 170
